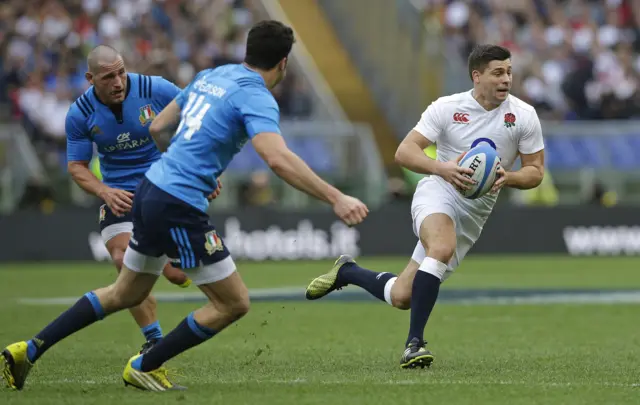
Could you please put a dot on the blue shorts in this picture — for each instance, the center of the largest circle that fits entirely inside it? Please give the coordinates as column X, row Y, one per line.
column 165, row 225
column 112, row 225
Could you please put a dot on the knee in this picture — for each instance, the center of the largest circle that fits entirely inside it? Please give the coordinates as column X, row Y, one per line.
column 400, row 296
column 130, row 300
column 151, row 300
column 236, row 308
column 442, row 251
column 135, row 300
column 120, row 298
column 239, row 308
column 401, row 301
column 117, row 256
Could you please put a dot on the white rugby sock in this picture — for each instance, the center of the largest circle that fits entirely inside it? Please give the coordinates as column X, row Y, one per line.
column 434, row 267
column 387, row 290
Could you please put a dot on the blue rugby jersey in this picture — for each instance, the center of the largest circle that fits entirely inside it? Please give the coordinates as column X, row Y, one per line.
column 222, row 109
column 125, row 148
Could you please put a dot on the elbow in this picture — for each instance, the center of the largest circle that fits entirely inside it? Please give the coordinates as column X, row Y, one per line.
column 154, row 130
column 71, row 168
column 275, row 161
column 540, row 176
column 399, row 156
column 276, row 164
column 533, row 180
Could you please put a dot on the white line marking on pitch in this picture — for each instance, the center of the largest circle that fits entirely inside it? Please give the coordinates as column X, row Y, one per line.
column 302, row 381
column 175, row 297
column 598, row 297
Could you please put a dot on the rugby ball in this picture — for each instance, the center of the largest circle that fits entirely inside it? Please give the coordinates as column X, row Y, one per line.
column 484, row 161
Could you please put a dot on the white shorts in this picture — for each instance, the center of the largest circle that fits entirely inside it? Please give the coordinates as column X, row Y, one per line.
column 202, row 274
column 113, row 230
column 433, row 196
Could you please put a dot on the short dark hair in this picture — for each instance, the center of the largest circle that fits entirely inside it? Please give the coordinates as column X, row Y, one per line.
column 268, row 43
column 482, row 55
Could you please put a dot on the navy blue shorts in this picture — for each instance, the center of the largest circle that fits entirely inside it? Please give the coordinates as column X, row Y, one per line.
column 112, row 225
column 166, row 225
column 108, row 218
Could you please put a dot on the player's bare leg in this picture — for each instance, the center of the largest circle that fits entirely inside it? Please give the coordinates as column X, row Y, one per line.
column 438, row 236
column 228, row 302
column 129, row 290
column 401, row 287
column 176, row 276
column 145, row 313
column 395, row 290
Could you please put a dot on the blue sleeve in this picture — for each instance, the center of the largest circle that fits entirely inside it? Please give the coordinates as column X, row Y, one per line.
column 181, row 97
column 164, row 90
column 79, row 145
column 260, row 113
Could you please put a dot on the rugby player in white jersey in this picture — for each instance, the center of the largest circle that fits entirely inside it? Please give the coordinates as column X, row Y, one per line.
column 446, row 223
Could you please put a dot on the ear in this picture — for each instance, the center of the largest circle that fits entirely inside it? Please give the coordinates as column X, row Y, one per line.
column 476, row 76
column 89, row 77
column 283, row 64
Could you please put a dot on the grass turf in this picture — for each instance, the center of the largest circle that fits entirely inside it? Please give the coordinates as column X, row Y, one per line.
column 348, row 353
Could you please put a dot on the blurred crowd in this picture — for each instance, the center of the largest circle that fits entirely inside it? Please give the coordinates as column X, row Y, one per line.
column 572, row 59
column 44, row 43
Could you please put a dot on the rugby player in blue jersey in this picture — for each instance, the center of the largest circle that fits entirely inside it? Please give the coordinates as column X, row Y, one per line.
column 220, row 111
column 115, row 114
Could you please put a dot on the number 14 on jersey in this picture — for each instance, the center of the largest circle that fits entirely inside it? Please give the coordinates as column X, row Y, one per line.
column 192, row 115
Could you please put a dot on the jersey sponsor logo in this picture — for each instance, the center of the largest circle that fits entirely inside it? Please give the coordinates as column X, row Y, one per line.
column 213, row 242
column 146, row 114
column 126, row 137
column 460, row 118
column 124, row 142
column 509, row 120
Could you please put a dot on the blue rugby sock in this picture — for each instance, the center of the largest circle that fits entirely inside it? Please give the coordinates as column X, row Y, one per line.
column 424, row 294
column 423, row 298
column 373, row 282
column 152, row 331
column 185, row 336
column 83, row 313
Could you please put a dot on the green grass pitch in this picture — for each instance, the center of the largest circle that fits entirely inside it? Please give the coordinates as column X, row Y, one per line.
column 333, row 353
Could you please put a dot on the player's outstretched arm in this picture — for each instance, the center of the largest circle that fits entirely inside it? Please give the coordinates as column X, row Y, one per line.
column 160, row 129
column 288, row 166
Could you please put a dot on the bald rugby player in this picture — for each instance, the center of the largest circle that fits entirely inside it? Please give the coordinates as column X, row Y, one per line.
column 115, row 114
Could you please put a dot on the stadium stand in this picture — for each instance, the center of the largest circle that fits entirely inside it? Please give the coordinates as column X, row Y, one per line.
column 577, row 62
column 573, row 59
column 43, row 46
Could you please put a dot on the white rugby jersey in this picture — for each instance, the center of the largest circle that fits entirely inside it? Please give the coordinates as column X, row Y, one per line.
column 458, row 122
